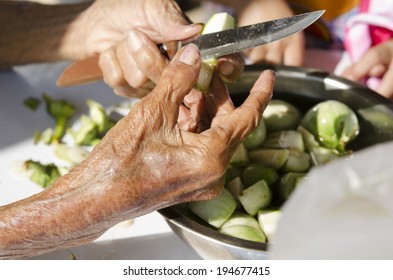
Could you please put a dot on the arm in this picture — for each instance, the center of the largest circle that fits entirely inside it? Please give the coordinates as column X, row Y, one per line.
column 33, row 32
column 135, row 168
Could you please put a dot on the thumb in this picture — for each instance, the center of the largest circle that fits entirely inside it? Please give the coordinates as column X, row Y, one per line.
column 177, row 80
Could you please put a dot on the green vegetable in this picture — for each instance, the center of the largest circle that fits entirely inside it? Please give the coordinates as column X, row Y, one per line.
column 256, row 197
column 232, row 172
column 235, row 186
column 281, row 115
column 297, row 161
column 256, row 138
column 32, row 103
column 240, row 157
column 244, row 232
column 288, row 183
column 61, row 111
column 87, row 133
column 218, row 22
column 215, row 211
column 275, row 158
column 255, row 172
column 284, row 139
column 322, row 155
column 268, row 220
column 93, row 127
column 308, row 139
column 99, row 117
column 73, row 155
column 42, row 174
column 332, row 123
column 241, row 218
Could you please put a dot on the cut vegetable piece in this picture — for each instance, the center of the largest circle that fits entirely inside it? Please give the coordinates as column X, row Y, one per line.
column 255, row 172
column 285, row 139
column 44, row 136
column 274, row 158
column 235, row 186
column 241, row 218
column 42, row 174
column 217, row 22
column 308, row 139
column 322, row 155
column 232, row 172
column 244, row 232
column 256, row 138
column 240, row 157
column 288, row 183
column 333, row 124
column 256, row 197
column 98, row 115
column 268, row 220
column 73, row 155
column 32, row 103
column 61, row 111
column 281, row 115
column 297, row 162
column 87, row 133
column 215, row 211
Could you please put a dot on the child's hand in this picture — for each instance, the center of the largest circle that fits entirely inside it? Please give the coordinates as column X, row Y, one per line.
column 377, row 62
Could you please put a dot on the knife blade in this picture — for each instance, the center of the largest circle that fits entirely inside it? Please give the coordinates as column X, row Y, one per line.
column 210, row 45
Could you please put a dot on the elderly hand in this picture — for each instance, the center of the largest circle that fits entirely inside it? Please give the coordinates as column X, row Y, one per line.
column 146, row 162
column 377, row 62
column 147, row 23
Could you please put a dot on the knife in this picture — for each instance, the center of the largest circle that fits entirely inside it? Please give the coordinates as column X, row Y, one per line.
column 210, row 45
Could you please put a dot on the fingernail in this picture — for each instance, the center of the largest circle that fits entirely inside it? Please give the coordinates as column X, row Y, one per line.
column 190, row 54
column 134, row 40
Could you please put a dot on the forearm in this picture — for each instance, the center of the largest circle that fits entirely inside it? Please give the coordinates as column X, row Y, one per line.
column 75, row 210
column 32, row 32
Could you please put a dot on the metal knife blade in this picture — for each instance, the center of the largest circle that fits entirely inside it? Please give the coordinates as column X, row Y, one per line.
column 210, row 45
column 237, row 39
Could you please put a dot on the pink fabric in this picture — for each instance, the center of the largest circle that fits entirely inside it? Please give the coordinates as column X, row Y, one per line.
column 372, row 26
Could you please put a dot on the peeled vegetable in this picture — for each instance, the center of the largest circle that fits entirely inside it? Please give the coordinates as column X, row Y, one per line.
column 281, row 115
column 332, row 123
column 218, row 22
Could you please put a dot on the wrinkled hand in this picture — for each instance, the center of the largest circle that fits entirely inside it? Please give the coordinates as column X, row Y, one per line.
column 147, row 161
column 287, row 51
column 126, row 34
column 166, row 162
column 376, row 62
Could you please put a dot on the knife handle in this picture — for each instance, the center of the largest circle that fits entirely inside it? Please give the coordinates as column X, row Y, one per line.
column 88, row 70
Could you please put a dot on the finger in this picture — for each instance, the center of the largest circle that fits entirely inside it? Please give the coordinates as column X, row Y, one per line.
column 146, row 56
column 378, row 70
column 257, row 55
column 274, row 53
column 182, row 32
column 386, row 87
column 246, row 118
column 127, row 91
column 361, row 69
column 177, row 81
column 294, row 53
column 231, row 67
column 218, row 103
column 111, row 68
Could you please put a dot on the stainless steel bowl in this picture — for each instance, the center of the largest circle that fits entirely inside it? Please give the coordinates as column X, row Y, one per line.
column 304, row 88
